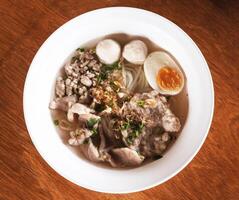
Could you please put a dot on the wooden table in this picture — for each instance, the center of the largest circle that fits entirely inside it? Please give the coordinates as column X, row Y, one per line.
column 212, row 24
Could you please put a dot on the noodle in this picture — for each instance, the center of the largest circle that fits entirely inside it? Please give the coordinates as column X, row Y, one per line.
column 134, row 78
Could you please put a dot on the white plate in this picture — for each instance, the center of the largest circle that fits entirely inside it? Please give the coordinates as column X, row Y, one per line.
column 52, row 55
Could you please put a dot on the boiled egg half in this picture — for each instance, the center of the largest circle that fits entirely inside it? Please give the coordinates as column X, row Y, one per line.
column 163, row 73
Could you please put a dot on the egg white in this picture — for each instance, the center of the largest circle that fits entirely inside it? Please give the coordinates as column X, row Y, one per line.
column 153, row 63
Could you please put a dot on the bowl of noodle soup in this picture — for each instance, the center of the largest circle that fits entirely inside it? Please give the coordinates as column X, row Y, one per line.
column 190, row 105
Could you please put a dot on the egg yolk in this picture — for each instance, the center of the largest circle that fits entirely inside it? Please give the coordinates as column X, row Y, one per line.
column 168, row 78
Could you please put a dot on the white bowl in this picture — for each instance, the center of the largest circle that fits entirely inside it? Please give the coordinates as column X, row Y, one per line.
column 51, row 57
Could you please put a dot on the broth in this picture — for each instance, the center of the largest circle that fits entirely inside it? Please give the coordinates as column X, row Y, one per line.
column 178, row 103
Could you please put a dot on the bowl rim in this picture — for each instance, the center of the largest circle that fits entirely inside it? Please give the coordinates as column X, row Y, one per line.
column 155, row 15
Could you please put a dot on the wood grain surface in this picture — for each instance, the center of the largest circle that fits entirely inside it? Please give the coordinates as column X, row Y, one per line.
column 212, row 24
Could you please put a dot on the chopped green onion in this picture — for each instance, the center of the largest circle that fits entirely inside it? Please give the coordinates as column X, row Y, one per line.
column 129, row 140
column 56, row 122
column 73, row 59
column 140, row 103
column 86, row 141
column 141, row 126
column 94, row 132
column 105, row 70
column 157, row 157
column 136, row 130
column 114, row 86
column 91, row 122
column 99, row 107
column 125, row 125
column 64, row 77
